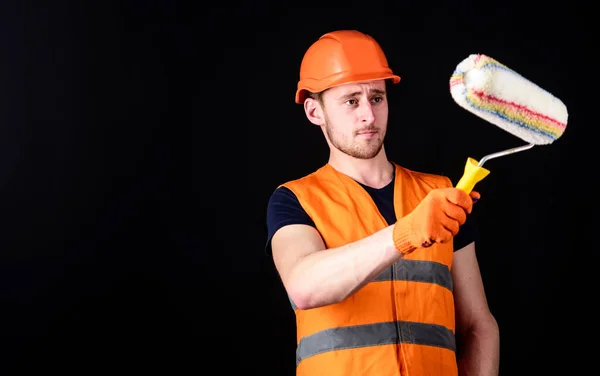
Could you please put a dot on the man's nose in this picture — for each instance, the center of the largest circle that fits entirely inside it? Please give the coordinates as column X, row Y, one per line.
column 366, row 112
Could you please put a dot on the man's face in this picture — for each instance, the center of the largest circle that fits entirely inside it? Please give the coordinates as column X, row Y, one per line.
column 355, row 118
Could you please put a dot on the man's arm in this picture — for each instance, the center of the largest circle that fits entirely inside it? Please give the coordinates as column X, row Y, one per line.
column 477, row 327
column 314, row 276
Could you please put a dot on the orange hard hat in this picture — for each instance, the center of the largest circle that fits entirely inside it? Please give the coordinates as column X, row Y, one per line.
column 341, row 57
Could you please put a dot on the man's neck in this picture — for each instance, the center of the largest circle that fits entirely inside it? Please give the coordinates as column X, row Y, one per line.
column 376, row 172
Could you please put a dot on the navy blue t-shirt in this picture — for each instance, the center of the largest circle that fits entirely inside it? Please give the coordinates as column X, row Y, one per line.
column 284, row 209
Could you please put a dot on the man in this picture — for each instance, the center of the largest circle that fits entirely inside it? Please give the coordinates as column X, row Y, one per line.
column 365, row 247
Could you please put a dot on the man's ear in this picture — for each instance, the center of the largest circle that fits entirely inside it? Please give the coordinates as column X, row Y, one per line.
column 314, row 111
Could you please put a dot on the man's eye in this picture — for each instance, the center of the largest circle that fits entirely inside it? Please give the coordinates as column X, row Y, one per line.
column 351, row 102
column 378, row 99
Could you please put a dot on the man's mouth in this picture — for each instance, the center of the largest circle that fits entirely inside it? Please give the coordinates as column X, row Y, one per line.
column 367, row 132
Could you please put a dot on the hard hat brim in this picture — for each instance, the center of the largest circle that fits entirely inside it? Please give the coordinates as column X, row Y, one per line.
column 304, row 86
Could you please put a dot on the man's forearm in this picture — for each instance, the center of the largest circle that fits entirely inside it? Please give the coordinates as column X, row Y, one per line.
column 480, row 351
column 330, row 276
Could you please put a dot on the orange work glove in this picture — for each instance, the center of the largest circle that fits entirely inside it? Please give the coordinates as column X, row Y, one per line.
column 436, row 219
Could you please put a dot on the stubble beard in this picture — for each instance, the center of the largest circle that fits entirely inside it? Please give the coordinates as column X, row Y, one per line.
column 363, row 150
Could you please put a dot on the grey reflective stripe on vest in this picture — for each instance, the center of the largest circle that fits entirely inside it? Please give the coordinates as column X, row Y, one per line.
column 418, row 271
column 384, row 333
column 415, row 271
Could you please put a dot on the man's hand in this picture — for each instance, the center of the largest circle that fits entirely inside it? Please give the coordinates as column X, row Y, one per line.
column 438, row 216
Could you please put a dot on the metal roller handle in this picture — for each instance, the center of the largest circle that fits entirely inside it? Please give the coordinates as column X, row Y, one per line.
column 504, row 152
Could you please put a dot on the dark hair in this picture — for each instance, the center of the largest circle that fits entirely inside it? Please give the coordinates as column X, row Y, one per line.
column 317, row 96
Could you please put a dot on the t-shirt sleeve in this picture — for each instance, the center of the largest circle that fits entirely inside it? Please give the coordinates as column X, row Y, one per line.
column 466, row 235
column 284, row 209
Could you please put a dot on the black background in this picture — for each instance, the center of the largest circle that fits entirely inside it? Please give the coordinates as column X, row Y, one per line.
column 140, row 142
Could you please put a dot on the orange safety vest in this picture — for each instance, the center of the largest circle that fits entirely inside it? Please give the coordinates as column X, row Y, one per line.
column 401, row 323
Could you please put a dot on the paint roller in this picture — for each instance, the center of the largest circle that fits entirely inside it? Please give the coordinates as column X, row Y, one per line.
column 498, row 94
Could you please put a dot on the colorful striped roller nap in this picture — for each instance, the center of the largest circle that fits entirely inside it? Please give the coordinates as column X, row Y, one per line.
column 496, row 93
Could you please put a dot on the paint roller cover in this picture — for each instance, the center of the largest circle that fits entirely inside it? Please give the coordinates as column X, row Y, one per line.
column 496, row 93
